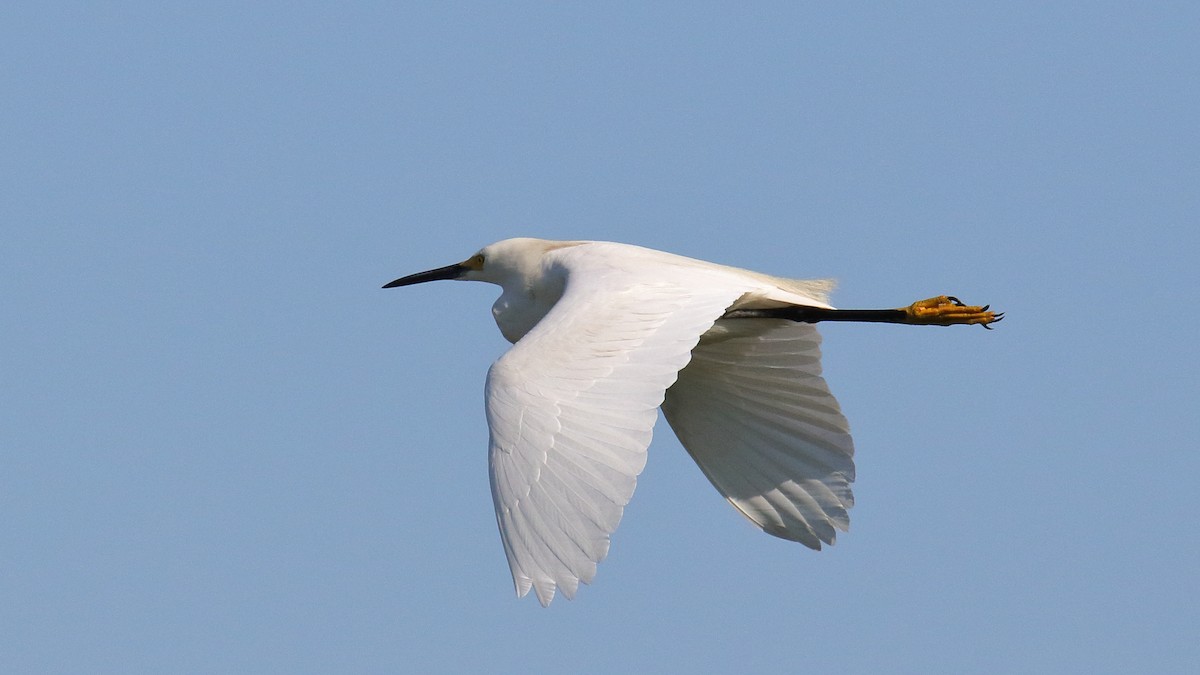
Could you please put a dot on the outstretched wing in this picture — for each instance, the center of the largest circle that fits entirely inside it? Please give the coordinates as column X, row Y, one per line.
column 571, row 408
column 753, row 411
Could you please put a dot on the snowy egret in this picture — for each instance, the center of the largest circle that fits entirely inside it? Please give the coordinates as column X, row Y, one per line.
column 607, row 333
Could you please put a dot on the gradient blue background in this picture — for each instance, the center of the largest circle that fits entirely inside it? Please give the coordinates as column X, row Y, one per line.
column 224, row 449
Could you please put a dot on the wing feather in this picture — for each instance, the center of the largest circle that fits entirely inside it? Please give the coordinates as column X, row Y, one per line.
column 571, row 408
column 753, row 411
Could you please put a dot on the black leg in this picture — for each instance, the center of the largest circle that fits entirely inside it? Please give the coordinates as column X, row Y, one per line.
column 814, row 314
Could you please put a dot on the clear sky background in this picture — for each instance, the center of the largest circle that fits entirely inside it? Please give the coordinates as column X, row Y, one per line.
column 224, row 449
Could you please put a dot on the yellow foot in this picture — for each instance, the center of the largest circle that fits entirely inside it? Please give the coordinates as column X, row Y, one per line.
column 946, row 310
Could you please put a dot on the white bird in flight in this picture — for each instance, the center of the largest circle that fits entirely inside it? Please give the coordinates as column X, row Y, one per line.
column 604, row 334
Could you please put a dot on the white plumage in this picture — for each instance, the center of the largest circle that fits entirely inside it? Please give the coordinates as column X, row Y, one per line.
column 607, row 333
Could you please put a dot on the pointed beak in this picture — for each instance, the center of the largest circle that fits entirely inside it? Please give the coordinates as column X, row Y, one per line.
column 448, row 272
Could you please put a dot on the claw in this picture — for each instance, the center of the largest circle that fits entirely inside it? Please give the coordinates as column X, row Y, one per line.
column 947, row 310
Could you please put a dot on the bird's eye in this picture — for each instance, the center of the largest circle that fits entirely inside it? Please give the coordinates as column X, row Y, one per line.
column 475, row 262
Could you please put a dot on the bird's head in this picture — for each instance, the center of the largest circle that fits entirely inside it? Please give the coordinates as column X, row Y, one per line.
column 505, row 263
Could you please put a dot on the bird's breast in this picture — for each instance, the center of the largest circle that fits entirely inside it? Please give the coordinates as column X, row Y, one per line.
column 517, row 313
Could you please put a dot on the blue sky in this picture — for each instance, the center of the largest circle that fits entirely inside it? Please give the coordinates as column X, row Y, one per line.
column 224, row 449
